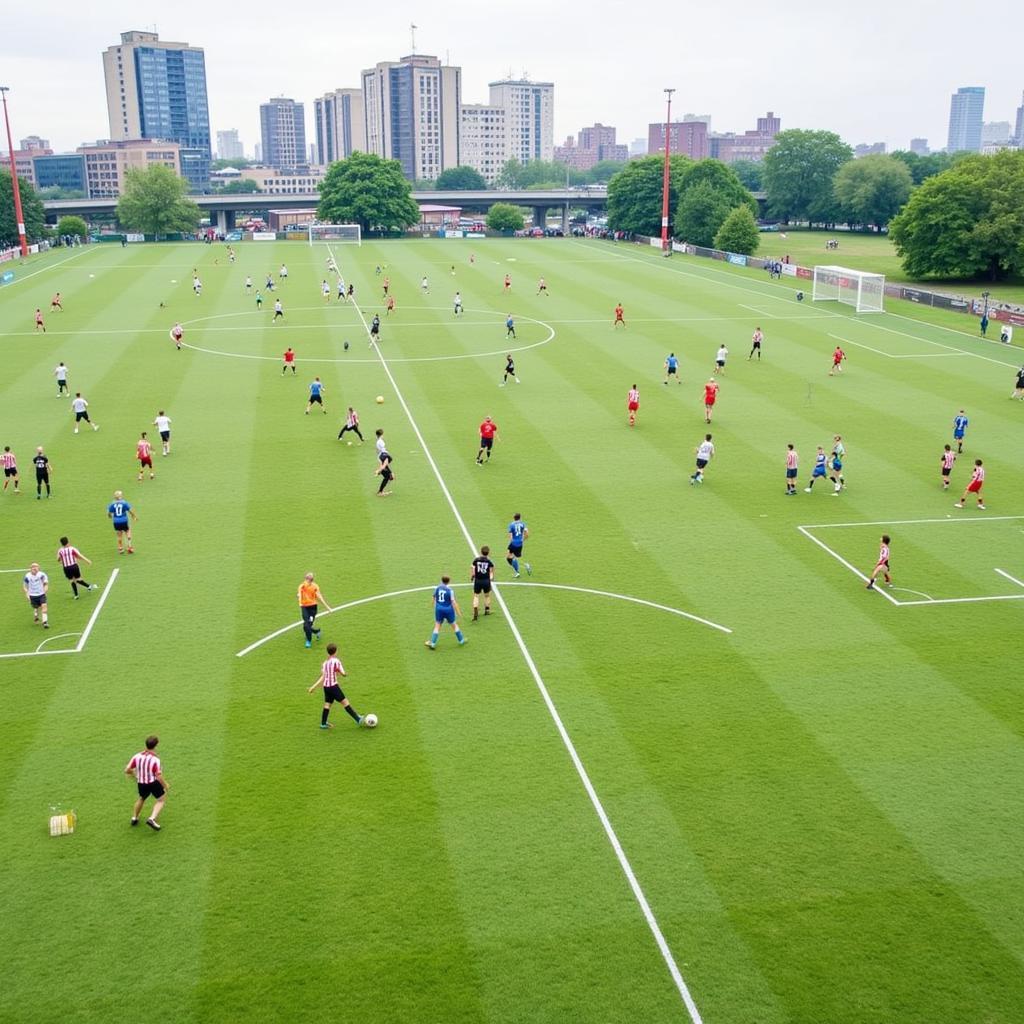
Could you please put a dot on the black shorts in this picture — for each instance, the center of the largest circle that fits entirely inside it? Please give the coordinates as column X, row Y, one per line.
column 486, row 442
column 671, row 371
column 81, row 416
column 120, row 526
column 701, row 463
column 13, row 471
column 332, row 694
column 374, row 331
column 62, row 385
column 316, row 399
column 153, row 789
column 516, row 551
column 37, row 600
column 757, row 344
column 720, row 363
column 72, row 572
column 947, row 470
column 165, row 435
column 481, row 585
column 42, row 476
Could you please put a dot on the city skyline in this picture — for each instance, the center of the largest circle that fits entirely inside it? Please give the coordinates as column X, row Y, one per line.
column 905, row 96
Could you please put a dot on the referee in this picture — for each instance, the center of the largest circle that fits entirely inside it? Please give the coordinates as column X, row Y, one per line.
column 481, row 576
column 42, row 464
column 309, row 604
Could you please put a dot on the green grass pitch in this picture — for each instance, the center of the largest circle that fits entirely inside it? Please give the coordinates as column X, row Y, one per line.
column 821, row 808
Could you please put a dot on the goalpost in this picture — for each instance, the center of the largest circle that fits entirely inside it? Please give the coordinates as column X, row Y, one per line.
column 340, row 234
column 865, row 292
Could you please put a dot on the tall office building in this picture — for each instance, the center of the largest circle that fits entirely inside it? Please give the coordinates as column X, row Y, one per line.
column 919, row 146
column 157, row 90
column 412, row 109
column 1018, row 132
column 995, row 133
column 339, row 124
column 689, row 138
column 229, row 146
column 965, row 118
column 529, row 118
column 483, row 142
column 283, row 133
column 34, row 142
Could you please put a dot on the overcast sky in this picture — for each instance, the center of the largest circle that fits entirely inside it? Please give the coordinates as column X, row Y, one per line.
column 871, row 71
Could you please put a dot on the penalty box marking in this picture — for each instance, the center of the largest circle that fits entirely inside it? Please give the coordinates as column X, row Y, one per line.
column 82, row 637
column 547, row 586
column 805, row 530
column 889, row 355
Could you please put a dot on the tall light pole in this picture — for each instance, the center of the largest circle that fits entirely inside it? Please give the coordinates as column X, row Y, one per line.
column 18, row 215
column 664, row 181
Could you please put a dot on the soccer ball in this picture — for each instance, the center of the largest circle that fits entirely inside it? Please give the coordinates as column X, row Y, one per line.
column 346, row 346
column 380, row 399
column 370, row 721
column 350, row 444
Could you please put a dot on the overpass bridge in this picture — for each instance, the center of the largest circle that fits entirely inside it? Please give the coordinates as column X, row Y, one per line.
column 223, row 210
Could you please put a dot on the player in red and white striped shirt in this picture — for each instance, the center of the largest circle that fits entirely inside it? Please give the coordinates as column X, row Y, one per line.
column 351, row 423
column 633, row 404
column 149, row 778
column 10, row 467
column 975, row 486
column 882, row 565
column 948, row 458
column 68, row 556
column 144, row 453
column 792, row 463
column 330, row 672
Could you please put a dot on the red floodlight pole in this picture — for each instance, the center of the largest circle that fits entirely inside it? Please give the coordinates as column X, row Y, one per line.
column 18, row 215
column 664, row 181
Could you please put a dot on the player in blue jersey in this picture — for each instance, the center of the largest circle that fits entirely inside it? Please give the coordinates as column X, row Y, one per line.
column 960, row 422
column 118, row 511
column 672, row 368
column 316, row 396
column 518, row 531
column 820, row 469
column 446, row 609
column 510, row 327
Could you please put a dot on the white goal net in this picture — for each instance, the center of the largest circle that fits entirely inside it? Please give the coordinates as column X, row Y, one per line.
column 339, row 234
column 865, row 292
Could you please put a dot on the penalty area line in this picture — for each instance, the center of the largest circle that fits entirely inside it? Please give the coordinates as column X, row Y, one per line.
column 96, row 611
column 842, row 561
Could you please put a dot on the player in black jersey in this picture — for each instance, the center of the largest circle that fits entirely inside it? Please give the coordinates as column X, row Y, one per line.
column 482, row 574
column 510, row 370
column 42, row 464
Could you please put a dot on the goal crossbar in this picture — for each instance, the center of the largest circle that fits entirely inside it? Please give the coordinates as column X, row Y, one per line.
column 341, row 234
column 860, row 289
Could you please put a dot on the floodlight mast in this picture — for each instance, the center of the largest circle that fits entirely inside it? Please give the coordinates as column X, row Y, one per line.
column 18, row 215
column 665, row 175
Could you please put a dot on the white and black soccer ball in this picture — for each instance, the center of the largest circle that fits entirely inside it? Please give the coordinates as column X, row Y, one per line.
column 370, row 721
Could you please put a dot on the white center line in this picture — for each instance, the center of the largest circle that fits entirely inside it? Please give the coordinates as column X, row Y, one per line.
column 613, row 839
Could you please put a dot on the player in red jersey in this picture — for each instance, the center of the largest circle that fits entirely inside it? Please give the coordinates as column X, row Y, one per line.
column 837, row 361
column 508, row 283
column 488, row 435
column 948, row 458
column 710, row 397
column 289, row 360
column 144, row 453
column 40, row 326
column 177, row 333
column 633, row 404
column 975, row 486
column 619, row 316
column 390, row 305
column 882, row 565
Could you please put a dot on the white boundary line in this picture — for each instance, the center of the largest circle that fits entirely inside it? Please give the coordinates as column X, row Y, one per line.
column 96, row 611
column 50, row 266
column 839, row 558
column 595, row 800
column 909, row 522
column 1012, row 579
column 58, row 636
column 937, row 344
column 521, row 583
column 763, row 312
column 919, row 355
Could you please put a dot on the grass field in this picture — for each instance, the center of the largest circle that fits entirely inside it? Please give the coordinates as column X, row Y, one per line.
column 690, row 769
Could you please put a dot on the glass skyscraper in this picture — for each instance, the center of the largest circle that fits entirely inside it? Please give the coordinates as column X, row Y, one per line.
column 965, row 118
column 157, row 90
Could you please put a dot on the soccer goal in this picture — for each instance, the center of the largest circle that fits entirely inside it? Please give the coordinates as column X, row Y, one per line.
column 340, row 233
column 865, row 292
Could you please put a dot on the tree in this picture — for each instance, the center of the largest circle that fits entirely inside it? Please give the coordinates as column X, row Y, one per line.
column 739, row 233
column 702, row 211
column 460, row 178
column 239, row 163
column 798, row 174
column 539, row 174
column 750, row 173
column 634, row 194
column 369, row 191
column 57, row 192
column 72, row 226
column 239, row 187
column 505, row 217
column 967, row 221
column 872, row 190
column 154, row 202
column 603, row 170
column 923, row 167
column 31, row 208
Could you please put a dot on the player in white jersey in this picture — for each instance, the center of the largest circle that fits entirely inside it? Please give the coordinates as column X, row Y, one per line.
column 720, row 357
column 148, row 772
column 283, row 273
column 325, row 290
column 330, row 672
column 248, row 283
column 80, row 407
column 163, row 424
column 458, row 303
column 382, row 445
column 60, row 371
column 705, row 453
column 35, row 584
